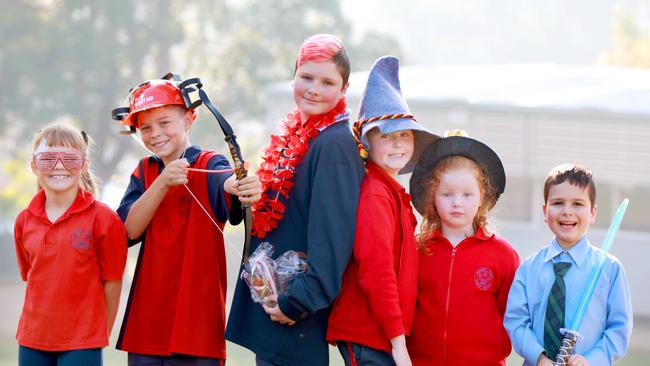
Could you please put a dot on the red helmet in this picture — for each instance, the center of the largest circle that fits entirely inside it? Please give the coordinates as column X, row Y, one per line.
column 151, row 94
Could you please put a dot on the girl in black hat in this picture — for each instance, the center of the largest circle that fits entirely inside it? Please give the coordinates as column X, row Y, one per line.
column 465, row 272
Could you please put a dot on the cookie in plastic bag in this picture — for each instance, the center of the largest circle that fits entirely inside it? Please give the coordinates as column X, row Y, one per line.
column 272, row 277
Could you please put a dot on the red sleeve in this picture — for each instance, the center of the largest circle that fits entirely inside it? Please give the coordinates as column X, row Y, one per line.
column 510, row 265
column 21, row 254
column 110, row 245
column 373, row 250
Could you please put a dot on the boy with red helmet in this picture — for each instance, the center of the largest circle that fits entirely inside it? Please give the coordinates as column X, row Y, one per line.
column 182, row 254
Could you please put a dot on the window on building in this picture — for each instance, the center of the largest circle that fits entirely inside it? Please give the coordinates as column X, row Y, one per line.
column 636, row 216
column 605, row 200
column 515, row 203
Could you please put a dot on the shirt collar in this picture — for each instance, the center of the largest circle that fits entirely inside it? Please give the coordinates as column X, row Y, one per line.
column 375, row 170
column 479, row 234
column 190, row 154
column 577, row 253
column 82, row 201
column 343, row 117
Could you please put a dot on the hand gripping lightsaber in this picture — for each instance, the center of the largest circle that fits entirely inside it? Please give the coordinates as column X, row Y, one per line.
column 571, row 334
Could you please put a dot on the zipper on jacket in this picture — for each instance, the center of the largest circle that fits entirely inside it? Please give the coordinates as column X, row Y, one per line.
column 451, row 270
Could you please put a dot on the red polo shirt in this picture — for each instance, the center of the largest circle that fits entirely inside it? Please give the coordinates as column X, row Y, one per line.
column 177, row 303
column 377, row 299
column 65, row 264
column 462, row 294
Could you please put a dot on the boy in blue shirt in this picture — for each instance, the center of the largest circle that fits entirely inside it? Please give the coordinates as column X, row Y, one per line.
column 536, row 310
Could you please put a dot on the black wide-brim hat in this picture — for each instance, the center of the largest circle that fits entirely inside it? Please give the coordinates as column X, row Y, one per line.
column 443, row 148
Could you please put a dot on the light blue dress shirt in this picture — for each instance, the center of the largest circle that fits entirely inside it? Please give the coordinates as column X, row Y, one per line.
column 607, row 324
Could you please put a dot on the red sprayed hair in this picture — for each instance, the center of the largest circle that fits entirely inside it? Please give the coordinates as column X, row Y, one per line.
column 325, row 47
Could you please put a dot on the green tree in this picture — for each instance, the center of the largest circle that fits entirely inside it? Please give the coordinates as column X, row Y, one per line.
column 70, row 60
column 75, row 60
column 631, row 42
column 16, row 194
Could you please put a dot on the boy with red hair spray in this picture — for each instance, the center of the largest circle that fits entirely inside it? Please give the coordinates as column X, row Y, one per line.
column 310, row 176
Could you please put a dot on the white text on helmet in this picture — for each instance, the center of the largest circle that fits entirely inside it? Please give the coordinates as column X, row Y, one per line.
column 142, row 100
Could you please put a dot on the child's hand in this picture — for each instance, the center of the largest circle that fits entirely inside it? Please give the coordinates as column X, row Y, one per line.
column 399, row 351
column 578, row 360
column 175, row 173
column 542, row 360
column 249, row 189
column 271, row 307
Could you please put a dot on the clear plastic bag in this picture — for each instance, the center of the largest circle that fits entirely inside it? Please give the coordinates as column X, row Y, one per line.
column 272, row 277
column 287, row 267
column 261, row 279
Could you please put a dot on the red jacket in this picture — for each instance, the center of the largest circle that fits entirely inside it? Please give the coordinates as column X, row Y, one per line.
column 65, row 264
column 377, row 299
column 462, row 294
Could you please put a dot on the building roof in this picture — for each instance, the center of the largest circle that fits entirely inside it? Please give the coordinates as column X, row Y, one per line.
column 535, row 85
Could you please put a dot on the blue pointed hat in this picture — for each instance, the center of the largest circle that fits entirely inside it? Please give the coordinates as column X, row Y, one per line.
column 384, row 106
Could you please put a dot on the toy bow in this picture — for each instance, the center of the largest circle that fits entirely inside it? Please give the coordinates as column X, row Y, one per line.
column 194, row 85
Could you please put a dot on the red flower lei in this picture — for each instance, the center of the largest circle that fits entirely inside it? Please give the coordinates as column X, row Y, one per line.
column 280, row 160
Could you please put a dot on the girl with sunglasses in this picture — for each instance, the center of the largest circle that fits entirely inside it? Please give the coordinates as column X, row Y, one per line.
column 71, row 252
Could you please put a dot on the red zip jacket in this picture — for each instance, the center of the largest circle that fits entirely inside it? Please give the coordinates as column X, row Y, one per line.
column 377, row 299
column 462, row 294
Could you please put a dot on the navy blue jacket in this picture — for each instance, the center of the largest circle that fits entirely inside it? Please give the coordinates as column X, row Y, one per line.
column 319, row 220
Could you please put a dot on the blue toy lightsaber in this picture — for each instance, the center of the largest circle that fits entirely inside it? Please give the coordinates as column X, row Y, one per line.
column 571, row 334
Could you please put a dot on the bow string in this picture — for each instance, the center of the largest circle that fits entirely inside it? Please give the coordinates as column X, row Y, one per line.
column 193, row 85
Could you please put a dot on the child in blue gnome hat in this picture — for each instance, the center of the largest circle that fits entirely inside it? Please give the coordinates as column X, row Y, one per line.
column 374, row 311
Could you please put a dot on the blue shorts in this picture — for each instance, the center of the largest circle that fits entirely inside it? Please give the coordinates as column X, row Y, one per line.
column 35, row 357
column 136, row 359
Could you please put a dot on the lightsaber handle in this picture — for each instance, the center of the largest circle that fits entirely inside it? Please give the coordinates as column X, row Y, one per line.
column 566, row 349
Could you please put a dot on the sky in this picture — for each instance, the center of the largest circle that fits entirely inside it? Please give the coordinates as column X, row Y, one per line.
column 496, row 31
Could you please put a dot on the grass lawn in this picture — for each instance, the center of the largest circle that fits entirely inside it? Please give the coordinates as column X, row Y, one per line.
column 241, row 357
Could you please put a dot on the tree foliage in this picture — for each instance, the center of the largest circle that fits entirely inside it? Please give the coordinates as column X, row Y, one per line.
column 75, row 60
column 631, row 42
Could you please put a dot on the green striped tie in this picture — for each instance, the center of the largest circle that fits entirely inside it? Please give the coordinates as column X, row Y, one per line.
column 555, row 311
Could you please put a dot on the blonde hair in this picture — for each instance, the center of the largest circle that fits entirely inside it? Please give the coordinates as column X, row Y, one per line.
column 64, row 135
column 431, row 220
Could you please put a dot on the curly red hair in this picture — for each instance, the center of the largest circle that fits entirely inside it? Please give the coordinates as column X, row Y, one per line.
column 431, row 220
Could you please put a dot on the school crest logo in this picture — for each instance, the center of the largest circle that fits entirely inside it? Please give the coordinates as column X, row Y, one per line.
column 81, row 239
column 184, row 205
column 483, row 278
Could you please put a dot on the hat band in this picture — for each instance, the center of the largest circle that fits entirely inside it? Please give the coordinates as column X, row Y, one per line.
column 358, row 125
